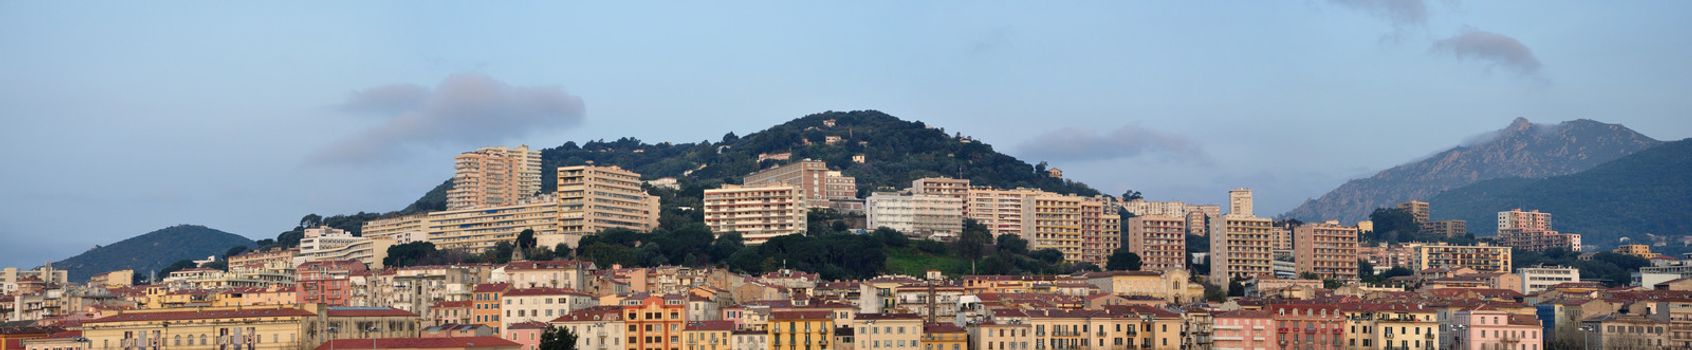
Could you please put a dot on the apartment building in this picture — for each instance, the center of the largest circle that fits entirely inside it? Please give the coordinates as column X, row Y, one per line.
column 485, row 304
column 758, row 213
column 595, row 198
column 1196, row 215
column 401, row 229
column 482, row 228
column 333, row 244
column 1391, row 326
column 1000, row 210
column 887, row 331
column 1482, row 257
column 654, row 322
column 540, row 304
column 1172, row 286
column 1327, row 249
column 1101, row 229
column 1540, row 278
column 943, row 186
column 1447, row 228
column 1244, row 329
column 494, row 177
column 596, row 328
column 1240, row 243
column 1159, row 240
column 708, row 335
column 1520, row 220
column 924, row 215
column 816, row 184
column 801, row 330
column 1485, row 328
column 1419, row 210
column 329, row 282
column 1539, row 241
column 1052, row 221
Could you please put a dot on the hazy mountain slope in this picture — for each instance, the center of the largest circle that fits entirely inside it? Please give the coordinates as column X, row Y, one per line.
column 1521, row 150
column 152, row 251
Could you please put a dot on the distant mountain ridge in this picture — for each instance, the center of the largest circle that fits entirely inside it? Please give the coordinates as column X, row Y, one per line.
column 1646, row 192
column 1522, row 149
column 151, row 251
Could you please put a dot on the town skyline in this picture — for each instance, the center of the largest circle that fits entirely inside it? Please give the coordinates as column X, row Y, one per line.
column 1198, row 89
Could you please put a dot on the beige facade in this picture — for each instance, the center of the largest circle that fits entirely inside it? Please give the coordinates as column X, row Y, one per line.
column 1418, row 210
column 401, row 229
column 945, row 186
column 477, row 229
column 1240, row 202
column 113, row 279
column 815, row 182
column 758, row 213
column 1541, row 278
column 887, row 331
column 1521, row 220
column 1240, row 248
column 924, row 215
column 1483, row 257
column 1000, row 210
column 494, row 177
column 540, row 305
column 1327, row 249
column 1101, row 229
column 1053, row 221
column 1159, row 240
column 596, row 198
column 1172, row 286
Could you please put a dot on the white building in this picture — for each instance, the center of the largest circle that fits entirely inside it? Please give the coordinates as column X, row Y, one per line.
column 328, row 243
column 1537, row 279
column 926, row 215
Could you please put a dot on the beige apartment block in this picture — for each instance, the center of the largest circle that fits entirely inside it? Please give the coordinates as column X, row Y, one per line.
column 1519, row 220
column 401, row 229
column 815, row 182
column 1418, row 210
column 1240, row 202
column 758, row 213
column 923, row 215
column 1482, row 257
column 1240, row 247
column 332, row 244
column 596, row 198
column 1053, row 221
column 1000, row 210
column 945, row 186
column 1159, row 240
column 494, row 176
column 1326, row 249
column 478, row 229
column 1101, row 229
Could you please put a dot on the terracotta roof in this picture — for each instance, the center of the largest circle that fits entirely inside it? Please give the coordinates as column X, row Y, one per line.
column 453, row 304
column 801, row 315
column 201, row 315
column 887, row 316
column 358, row 311
column 528, row 325
column 1524, row 320
column 941, row 327
column 1243, row 314
column 544, row 291
column 491, row 287
column 596, row 313
column 420, row 343
column 711, row 325
column 65, row 334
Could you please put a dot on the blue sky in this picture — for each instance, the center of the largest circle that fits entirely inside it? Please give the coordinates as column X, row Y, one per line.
column 121, row 118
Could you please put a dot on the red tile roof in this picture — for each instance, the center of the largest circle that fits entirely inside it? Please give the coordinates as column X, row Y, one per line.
column 801, row 315
column 941, row 327
column 544, row 291
column 528, row 325
column 201, row 315
column 420, row 343
column 885, row 316
column 491, row 287
column 353, row 311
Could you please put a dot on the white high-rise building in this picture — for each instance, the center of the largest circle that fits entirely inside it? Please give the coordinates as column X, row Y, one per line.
column 928, row 215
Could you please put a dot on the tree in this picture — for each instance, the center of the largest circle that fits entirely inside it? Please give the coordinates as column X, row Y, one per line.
column 562, row 251
column 236, row 250
column 1048, row 255
column 1011, row 244
column 500, row 254
column 410, row 254
column 1395, row 225
column 891, row 237
column 1130, row 195
column 972, row 244
column 557, row 338
column 1365, row 270
column 526, row 240
column 1122, row 260
column 1235, row 288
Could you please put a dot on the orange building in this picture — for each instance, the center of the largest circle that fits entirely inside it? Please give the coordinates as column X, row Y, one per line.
column 654, row 322
column 485, row 302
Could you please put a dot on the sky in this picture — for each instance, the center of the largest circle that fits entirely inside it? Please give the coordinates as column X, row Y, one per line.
column 120, row 118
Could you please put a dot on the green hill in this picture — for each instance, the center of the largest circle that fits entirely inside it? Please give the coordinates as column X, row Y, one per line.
column 152, row 251
column 1646, row 192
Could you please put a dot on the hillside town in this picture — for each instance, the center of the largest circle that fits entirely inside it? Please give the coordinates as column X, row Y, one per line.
column 1259, row 283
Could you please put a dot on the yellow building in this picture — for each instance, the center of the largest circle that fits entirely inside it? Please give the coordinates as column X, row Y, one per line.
column 1376, row 326
column 944, row 336
column 273, row 295
column 708, row 335
column 1170, row 285
column 596, row 198
column 945, row 186
column 758, row 213
column 1240, row 248
column 801, row 330
column 494, row 177
column 1159, row 240
column 887, row 331
column 478, row 229
column 1639, row 250
column 113, row 279
column 1000, row 210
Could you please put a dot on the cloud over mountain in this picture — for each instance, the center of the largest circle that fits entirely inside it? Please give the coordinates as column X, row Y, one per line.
column 1128, row 141
column 1497, row 49
column 464, row 110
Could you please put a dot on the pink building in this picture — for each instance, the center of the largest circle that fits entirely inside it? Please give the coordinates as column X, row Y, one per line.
column 1483, row 328
column 327, row 282
column 1244, row 329
column 526, row 333
column 1308, row 326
